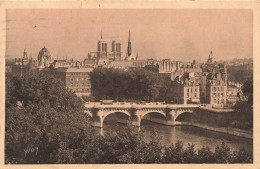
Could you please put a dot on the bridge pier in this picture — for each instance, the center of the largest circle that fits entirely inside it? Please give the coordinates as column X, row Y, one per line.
column 136, row 120
column 98, row 121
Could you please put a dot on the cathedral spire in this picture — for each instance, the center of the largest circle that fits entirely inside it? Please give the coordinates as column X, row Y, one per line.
column 101, row 34
column 129, row 48
column 129, row 36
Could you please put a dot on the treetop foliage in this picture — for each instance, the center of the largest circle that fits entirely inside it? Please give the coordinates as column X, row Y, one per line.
column 121, row 85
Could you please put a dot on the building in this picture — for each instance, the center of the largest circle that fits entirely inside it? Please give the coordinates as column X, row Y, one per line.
column 116, row 51
column 185, row 91
column 216, row 92
column 44, row 58
column 75, row 79
column 213, row 83
column 165, row 66
column 21, row 65
column 129, row 54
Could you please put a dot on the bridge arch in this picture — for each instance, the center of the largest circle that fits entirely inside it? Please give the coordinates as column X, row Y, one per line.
column 116, row 111
column 105, row 114
column 148, row 112
column 180, row 113
column 155, row 116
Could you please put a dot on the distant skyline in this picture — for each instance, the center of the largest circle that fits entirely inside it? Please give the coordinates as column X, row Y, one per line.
column 177, row 34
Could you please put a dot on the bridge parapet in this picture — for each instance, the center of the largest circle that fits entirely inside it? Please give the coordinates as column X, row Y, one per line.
column 135, row 111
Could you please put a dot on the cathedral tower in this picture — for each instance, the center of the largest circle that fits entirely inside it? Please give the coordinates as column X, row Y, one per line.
column 129, row 48
column 102, row 48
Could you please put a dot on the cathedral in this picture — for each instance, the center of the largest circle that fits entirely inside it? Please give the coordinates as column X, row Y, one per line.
column 108, row 53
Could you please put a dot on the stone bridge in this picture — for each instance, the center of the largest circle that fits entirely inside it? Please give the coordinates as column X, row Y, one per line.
column 136, row 112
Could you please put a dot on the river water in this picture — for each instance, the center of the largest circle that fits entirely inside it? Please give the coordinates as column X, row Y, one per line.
column 186, row 134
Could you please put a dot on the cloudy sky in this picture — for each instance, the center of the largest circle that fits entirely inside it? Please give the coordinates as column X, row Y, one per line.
column 178, row 34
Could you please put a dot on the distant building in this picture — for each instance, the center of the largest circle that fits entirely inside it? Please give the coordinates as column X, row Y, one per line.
column 165, row 66
column 216, row 92
column 129, row 54
column 22, row 65
column 186, row 92
column 44, row 58
column 75, row 79
column 116, row 50
column 213, row 82
column 106, row 55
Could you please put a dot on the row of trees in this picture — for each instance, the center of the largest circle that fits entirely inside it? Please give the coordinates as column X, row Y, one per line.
column 121, row 85
column 239, row 73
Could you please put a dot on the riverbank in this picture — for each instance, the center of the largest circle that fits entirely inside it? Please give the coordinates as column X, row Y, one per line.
column 227, row 130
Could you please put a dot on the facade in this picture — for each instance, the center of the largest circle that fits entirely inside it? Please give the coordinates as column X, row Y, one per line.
column 116, row 50
column 206, row 83
column 165, row 66
column 213, row 83
column 75, row 79
column 106, row 53
column 185, row 92
column 216, row 93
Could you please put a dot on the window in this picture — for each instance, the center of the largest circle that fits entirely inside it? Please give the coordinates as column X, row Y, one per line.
column 222, row 94
column 218, row 94
column 195, row 94
column 214, row 88
column 222, row 88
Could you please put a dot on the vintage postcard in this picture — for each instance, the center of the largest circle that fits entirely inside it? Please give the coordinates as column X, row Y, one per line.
column 168, row 84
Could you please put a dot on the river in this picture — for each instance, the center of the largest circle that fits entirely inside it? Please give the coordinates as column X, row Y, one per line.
column 186, row 134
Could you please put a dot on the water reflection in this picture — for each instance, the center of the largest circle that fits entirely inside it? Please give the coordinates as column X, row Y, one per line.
column 186, row 134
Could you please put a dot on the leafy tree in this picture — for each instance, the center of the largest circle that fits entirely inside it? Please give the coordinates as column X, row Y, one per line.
column 189, row 154
column 50, row 115
column 173, row 154
column 120, row 85
column 222, row 153
column 247, row 89
column 242, row 156
column 205, row 155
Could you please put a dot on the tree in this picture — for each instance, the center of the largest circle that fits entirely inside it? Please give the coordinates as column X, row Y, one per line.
column 120, row 85
column 50, row 120
column 222, row 153
column 247, row 90
column 205, row 155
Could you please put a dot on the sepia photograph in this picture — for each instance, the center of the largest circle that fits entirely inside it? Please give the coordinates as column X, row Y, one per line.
column 129, row 86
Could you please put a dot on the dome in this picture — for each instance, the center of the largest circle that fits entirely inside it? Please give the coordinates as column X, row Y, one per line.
column 44, row 57
column 44, row 53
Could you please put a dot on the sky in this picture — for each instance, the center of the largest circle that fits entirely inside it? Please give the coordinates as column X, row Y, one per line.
column 176, row 34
